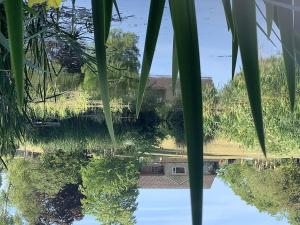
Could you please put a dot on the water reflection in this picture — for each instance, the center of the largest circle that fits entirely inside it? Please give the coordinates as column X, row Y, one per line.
column 64, row 188
column 271, row 186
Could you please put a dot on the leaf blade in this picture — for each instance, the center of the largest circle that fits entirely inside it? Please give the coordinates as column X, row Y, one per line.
column 245, row 26
column 184, row 22
column 98, row 12
column 14, row 17
column 285, row 22
column 297, row 32
column 269, row 17
column 108, row 16
column 234, row 54
column 175, row 69
column 154, row 22
column 228, row 14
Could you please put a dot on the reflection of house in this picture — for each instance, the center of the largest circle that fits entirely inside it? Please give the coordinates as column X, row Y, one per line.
column 162, row 87
column 173, row 173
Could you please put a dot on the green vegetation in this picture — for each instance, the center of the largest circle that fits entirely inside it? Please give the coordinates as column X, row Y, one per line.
column 58, row 186
column 78, row 134
column 281, row 125
column 110, row 189
column 275, row 191
column 45, row 37
column 37, row 184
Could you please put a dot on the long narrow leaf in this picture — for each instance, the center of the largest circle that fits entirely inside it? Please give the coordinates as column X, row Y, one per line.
column 285, row 21
column 98, row 10
column 175, row 69
column 235, row 48
column 297, row 32
column 108, row 17
column 14, row 17
column 245, row 25
column 230, row 24
column 117, row 9
column 269, row 17
column 154, row 21
column 185, row 29
column 228, row 14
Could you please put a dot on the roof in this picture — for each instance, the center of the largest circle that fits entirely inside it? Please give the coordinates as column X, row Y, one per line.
column 171, row 182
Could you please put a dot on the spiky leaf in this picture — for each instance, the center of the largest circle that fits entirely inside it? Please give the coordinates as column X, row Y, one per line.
column 285, row 22
column 99, row 15
column 175, row 69
column 244, row 15
column 14, row 17
column 154, row 21
column 185, row 29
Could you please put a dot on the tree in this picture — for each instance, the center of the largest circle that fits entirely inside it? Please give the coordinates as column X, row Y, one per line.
column 282, row 125
column 122, row 58
column 39, row 184
column 275, row 191
column 110, row 189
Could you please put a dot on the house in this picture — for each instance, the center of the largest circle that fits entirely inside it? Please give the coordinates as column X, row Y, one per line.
column 162, row 87
column 173, row 173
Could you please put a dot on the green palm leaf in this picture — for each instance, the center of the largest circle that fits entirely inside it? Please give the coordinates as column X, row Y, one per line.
column 235, row 44
column 108, row 16
column 175, row 69
column 154, row 21
column 285, row 23
column 184, row 22
column 245, row 25
column 14, row 17
column 100, row 30
column 297, row 32
column 228, row 14
column 269, row 17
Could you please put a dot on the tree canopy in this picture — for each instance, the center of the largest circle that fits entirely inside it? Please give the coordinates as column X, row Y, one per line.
column 110, row 189
column 275, row 191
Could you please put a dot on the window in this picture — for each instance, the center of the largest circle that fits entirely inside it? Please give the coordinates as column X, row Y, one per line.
column 178, row 170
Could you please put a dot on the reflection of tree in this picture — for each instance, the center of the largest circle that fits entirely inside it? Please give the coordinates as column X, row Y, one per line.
column 110, row 189
column 62, row 209
column 45, row 190
column 5, row 217
column 276, row 191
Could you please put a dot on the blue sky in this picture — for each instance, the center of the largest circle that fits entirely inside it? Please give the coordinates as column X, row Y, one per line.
column 214, row 38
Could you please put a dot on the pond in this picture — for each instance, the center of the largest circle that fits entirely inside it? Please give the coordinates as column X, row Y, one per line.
column 59, row 190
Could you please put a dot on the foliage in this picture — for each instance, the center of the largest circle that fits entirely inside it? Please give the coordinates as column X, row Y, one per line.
column 275, row 191
column 122, row 58
column 77, row 134
column 36, row 182
column 281, row 125
column 110, row 189
column 183, row 16
column 68, row 105
column 174, row 116
column 12, row 120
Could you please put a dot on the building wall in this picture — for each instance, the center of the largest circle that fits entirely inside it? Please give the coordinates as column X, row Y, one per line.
column 168, row 167
column 163, row 86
